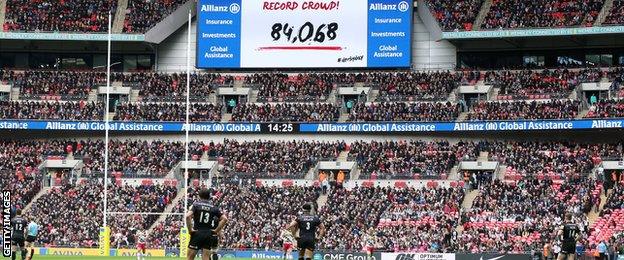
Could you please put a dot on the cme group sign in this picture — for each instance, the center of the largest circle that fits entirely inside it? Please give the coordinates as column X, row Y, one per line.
column 303, row 34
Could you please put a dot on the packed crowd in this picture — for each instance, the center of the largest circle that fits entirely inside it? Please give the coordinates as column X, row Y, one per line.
column 528, row 84
column 522, row 216
column 35, row 84
column 393, row 111
column 256, row 215
column 81, row 110
column 275, row 159
column 58, row 16
column 300, row 88
column 616, row 16
column 606, row 109
column 517, row 110
column 421, row 220
column 404, row 159
column 421, row 86
column 172, row 87
column 143, row 158
column 455, row 15
column 18, row 168
column 542, row 13
column 168, row 112
column 143, row 15
column 136, row 199
column 72, row 215
column 569, row 159
column 286, row 112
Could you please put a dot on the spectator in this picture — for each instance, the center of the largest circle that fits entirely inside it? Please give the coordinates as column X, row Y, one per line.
column 172, row 112
column 455, row 15
column 51, row 110
column 143, row 15
column 541, row 13
column 519, row 110
column 58, row 16
column 404, row 112
column 286, row 112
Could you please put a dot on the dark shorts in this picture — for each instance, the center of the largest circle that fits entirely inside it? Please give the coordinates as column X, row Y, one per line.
column 203, row 240
column 306, row 243
column 568, row 248
column 17, row 241
column 31, row 239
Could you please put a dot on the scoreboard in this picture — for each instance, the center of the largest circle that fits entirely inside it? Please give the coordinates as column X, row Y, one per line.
column 304, row 34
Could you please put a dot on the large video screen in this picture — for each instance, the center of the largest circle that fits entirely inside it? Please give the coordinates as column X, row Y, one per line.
column 304, row 34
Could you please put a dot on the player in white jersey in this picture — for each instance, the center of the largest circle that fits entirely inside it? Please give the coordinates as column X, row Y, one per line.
column 141, row 239
column 370, row 240
column 289, row 243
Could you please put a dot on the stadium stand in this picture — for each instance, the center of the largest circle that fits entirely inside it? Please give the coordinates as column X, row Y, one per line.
column 540, row 14
column 519, row 216
column 404, row 112
column 275, row 159
column 404, row 159
column 143, row 15
column 70, row 110
column 616, row 14
column 286, row 112
column 58, row 16
column 515, row 110
column 455, row 15
column 199, row 112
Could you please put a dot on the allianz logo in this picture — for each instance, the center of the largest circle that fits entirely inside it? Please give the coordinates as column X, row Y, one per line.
column 233, row 8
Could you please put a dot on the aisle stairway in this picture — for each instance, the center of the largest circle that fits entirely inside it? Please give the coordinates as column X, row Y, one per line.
column 168, row 209
column 594, row 214
column 485, row 9
column 43, row 191
column 2, row 12
column 469, row 198
column 604, row 12
column 120, row 16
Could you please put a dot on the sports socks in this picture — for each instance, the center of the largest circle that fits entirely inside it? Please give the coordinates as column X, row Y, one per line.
column 24, row 254
column 13, row 255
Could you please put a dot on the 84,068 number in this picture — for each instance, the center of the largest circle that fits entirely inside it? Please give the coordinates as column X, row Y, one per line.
column 305, row 33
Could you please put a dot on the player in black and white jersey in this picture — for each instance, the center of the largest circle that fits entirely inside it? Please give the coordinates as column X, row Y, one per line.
column 568, row 233
column 18, row 237
column 307, row 224
column 204, row 222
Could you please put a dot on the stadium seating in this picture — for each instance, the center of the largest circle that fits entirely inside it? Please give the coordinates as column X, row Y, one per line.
column 611, row 221
column 519, row 216
column 616, row 16
column 275, row 159
column 287, row 112
column 542, row 13
column 168, row 112
column 519, row 110
column 139, row 199
column 301, row 88
column 143, row 15
column 404, row 112
column 404, row 159
column 58, row 16
column 606, row 109
column 52, row 110
column 455, row 15
column 545, row 84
